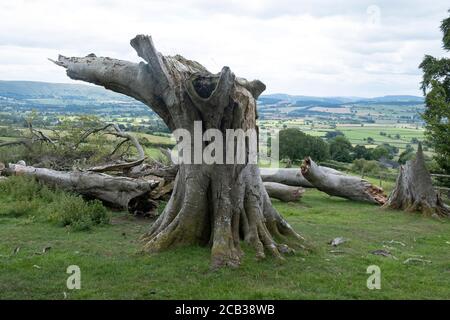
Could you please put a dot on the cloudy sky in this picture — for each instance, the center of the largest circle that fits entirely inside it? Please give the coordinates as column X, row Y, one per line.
column 320, row 47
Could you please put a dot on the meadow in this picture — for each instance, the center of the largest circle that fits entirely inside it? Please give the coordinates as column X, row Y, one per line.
column 357, row 134
column 113, row 266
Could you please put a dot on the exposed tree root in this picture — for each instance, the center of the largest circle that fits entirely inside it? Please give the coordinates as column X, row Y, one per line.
column 221, row 216
column 213, row 204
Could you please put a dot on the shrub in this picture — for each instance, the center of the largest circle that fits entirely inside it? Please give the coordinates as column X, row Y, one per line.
column 74, row 212
column 22, row 196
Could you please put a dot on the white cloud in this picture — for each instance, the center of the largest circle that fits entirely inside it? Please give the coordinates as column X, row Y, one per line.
column 301, row 47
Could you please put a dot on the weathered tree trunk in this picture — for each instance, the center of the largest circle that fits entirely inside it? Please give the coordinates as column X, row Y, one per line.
column 343, row 186
column 414, row 190
column 211, row 203
column 126, row 193
column 283, row 192
column 291, row 176
column 287, row 176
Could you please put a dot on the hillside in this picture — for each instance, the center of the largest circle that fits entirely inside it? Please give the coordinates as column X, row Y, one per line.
column 22, row 90
column 58, row 99
column 38, row 91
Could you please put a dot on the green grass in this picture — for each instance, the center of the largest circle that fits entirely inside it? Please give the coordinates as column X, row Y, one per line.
column 156, row 139
column 356, row 134
column 112, row 266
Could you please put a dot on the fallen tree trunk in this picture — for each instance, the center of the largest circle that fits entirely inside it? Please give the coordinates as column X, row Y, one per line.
column 123, row 192
column 283, row 192
column 414, row 190
column 280, row 191
column 291, row 176
column 343, row 186
column 288, row 176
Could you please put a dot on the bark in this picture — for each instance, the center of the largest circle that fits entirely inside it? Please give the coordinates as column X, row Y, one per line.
column 215, row 204
column 291, row 176
column 343, row 186
column 283, row 192
column 133, row 195
column 118, row 166
column 25, row 142
column 414, row 190
column 128, row 166
column 275, row 190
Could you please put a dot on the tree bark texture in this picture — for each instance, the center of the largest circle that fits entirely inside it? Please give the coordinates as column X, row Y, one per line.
column 291, row 176
column 343, row 186
column 414, row 190
column 215, row 204
column 283, row 192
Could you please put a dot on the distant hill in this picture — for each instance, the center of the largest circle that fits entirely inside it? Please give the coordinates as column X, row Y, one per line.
column 80, row 98
column 44, row 90
column 337, row 101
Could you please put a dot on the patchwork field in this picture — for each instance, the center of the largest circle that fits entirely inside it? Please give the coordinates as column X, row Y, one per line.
column 357, row 134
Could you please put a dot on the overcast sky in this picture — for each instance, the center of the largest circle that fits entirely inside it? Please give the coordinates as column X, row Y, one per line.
column 320, row 47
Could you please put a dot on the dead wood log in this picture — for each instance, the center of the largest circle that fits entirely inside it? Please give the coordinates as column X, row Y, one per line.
column 35, row 136
column 291, row 176
column 25, row 142
column 283, row 192
column 119, row 166
column 275, row 190
column 343, row 186
column 287, row 176
column 216, row 204
column 414, row 190
column 122, row 192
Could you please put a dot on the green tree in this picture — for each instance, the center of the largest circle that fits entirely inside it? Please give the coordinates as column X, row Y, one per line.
column 361, row 152
column 381, row 151
column 406, row 155
column 364, row 167
column 332, row 134
column 384, row 150
column 436, row 88
column 318, row 149
column 340, row 149
column 296, row 145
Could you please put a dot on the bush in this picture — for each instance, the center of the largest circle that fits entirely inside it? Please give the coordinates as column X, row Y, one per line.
column 364, row 167
column 73, row 211
column 340, row 149
column 296, row 145
column 22, row 196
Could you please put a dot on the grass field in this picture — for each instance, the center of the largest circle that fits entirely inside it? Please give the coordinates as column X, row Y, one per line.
column 113, row 267
column 357, row 134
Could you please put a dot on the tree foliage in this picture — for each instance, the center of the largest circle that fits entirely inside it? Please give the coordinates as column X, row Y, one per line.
column 436, row 87
column 296, row 145
column 340, row 149
column 332, row 134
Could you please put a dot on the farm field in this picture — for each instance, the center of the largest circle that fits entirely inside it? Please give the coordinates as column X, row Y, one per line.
column 357, row 134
